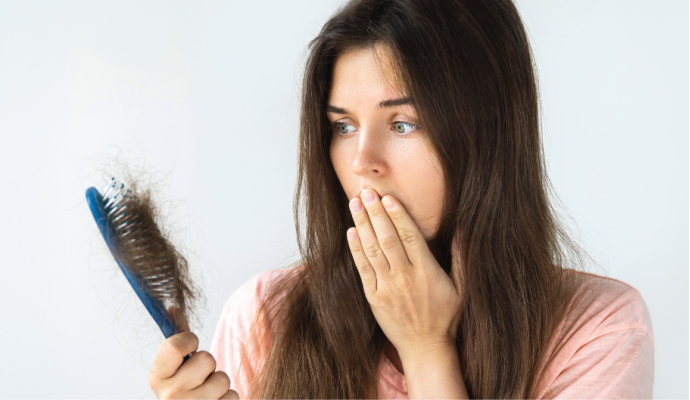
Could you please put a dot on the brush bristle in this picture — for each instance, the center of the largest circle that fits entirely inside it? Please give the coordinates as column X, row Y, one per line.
column 144, row 248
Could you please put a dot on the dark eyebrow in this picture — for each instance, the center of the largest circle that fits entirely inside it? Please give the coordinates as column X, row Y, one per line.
column 387, row 103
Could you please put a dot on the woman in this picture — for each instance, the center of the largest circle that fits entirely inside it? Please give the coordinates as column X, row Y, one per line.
column 420, row 141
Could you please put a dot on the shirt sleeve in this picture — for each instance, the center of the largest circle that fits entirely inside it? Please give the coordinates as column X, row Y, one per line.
column 607, row 346
column 616, row 365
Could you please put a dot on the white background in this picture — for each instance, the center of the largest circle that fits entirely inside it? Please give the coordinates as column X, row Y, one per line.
column 209, row 93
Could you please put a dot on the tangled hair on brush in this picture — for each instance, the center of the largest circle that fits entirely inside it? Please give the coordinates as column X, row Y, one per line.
column 151, row 253
column 154, row 255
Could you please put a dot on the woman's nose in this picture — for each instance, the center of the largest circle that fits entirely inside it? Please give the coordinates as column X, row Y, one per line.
column 369, row 156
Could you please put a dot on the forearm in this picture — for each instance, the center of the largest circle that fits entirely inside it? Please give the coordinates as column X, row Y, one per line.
column 434, row 375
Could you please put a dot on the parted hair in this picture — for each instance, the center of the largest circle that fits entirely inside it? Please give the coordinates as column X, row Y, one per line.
column 468, row 67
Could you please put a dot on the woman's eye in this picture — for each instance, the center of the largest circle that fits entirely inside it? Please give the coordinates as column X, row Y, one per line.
column 400, row 127
column 343, row 127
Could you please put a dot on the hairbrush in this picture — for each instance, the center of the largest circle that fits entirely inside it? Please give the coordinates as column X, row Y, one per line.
column 157, row 272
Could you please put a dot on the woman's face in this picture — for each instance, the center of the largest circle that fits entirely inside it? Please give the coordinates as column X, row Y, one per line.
column 375, row 143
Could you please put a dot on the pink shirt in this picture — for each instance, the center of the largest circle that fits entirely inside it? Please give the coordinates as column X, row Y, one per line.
column 604, row 348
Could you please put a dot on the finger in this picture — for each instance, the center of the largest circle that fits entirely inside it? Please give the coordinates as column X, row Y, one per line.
column 410, row 236
column 370, row 244
column 385, row 231
column 366, row 270
column 170, row 355
column 216, row 385
column 195, row 371
column 178, row 319
column 231, row 395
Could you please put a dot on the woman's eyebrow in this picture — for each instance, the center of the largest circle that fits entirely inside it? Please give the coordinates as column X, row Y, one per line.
column 387, row 103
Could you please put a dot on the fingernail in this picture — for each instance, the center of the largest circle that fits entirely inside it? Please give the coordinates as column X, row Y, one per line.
column 355, row 205
column 351, row 234
column 387, row 202
column 368, row 197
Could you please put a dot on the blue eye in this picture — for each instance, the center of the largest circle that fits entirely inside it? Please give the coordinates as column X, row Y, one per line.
column 341, row 127
column 400, row 127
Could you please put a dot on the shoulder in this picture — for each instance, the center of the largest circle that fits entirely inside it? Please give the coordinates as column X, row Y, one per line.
column 243, row 304
column 234, row 347
column 604, row 345
column 604, row 305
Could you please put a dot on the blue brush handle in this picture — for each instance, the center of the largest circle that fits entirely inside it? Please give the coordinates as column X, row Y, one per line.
column 154, row 307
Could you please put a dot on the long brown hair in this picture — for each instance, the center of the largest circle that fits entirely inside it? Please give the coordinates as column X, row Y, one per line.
column 468, row 67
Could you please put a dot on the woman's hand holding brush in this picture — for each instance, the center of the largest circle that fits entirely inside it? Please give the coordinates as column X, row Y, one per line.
column 196, row 379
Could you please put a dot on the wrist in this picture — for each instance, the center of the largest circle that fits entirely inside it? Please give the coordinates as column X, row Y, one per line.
column 434, row 373
column 429, row 356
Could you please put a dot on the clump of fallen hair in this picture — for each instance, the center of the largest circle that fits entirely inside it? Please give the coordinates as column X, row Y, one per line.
column 148, row 251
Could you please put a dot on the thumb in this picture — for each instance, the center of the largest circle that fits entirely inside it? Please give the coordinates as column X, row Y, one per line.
column 178, row 319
